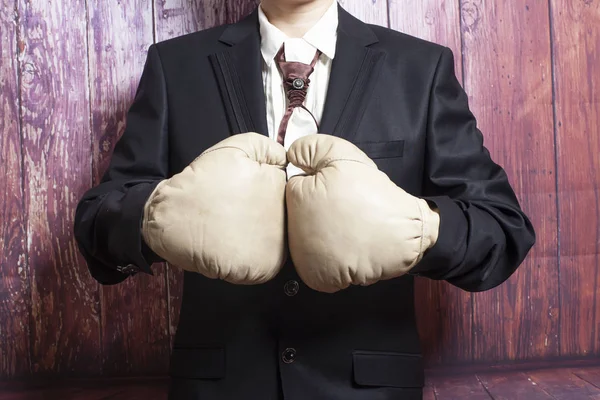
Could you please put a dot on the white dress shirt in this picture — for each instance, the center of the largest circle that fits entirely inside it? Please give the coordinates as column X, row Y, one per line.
column 322, row 36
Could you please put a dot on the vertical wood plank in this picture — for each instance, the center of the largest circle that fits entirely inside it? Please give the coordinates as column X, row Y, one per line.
column 174, row 18
column 507, row 69
column 577, row 89
column 371, row 12
column 57, row 169
column 135, row 337
column 237, row 9
column 374, row 12
column 433, row 20
column 444, row 312
column 179, row 17
column 15, row 296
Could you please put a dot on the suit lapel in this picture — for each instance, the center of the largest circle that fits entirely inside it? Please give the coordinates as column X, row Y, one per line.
column 353, row 71
column 238, row 70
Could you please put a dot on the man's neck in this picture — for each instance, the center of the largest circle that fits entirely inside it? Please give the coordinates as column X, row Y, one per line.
column 293, row 17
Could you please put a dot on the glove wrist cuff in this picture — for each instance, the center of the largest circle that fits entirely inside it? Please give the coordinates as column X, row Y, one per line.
column 431, row 225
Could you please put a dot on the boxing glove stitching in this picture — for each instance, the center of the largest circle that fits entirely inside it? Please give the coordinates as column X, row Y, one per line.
column 422, row 241
column 328, row 161
column 225, row 147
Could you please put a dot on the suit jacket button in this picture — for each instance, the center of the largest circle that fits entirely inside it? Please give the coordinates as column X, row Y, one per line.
column 291, row 288
column 289, row 355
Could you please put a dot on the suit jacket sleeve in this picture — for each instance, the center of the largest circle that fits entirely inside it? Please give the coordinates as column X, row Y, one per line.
column 108, row 217
column 484, row 235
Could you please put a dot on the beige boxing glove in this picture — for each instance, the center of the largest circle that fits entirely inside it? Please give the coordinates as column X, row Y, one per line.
column 348, row 223
column 223, row 216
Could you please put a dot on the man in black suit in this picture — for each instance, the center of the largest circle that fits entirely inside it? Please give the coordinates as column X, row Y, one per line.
column 392, row 96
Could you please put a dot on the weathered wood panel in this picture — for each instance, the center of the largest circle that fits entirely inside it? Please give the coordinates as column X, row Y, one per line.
column 15, row 296
column 135, row 336
column 444, row 312
column 179, row 17
column 57, row 152
column 51, row 321
column 563, row 384
column 577, row 89
column 174, row 18
column 497, row 386
column 433, row 20
column 372, row 12
column 237, row 9
column 590, row 375
column 512, row 386
column 507, row 74
column 459, row 387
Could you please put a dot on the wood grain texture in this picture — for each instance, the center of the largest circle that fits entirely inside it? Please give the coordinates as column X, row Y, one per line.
column 371, row 12
column 564, row 385
column 374, row 12
column 135, row 335
column 444, row 312
column 15, row 296
column 512, row 386
column 174, row 18
column 507, row 75
column 433, row 20
column 506, row 385
column 576, row 41
column 459, row 387
column 61, row 115
column 237, row 9
column 57, row 169
column 590, row 375
column 179, row 17
column 88, row 389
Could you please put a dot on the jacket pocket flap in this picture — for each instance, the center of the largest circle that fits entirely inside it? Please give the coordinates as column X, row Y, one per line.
column 372, row 368
column 394, row 148
column 198, row 362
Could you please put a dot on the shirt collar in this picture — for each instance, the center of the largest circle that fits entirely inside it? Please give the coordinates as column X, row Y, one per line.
column 322, row 36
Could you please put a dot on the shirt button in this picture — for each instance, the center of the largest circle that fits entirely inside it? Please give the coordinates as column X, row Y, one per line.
column 291, row 288
column 289, row 355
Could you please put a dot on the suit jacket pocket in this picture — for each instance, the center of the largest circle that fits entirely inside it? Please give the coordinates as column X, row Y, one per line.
column 374, row 150
column 375, row 368
column 197, row 362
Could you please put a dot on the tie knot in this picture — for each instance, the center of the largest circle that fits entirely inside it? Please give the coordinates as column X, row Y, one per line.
column 295, row 77
column 296, row 89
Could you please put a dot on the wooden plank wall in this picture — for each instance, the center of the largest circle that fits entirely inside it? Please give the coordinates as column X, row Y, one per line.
column 69, row 70
column 56, row 149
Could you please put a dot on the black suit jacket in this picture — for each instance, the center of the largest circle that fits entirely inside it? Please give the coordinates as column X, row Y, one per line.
column 397, row 98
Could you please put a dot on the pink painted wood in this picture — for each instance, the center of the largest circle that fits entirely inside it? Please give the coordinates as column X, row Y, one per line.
column 15, row 282
column 53, row 64
column 372, row 12
column 507, row 70
column 134, row 317
column 68, row 73
column 576, row 41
